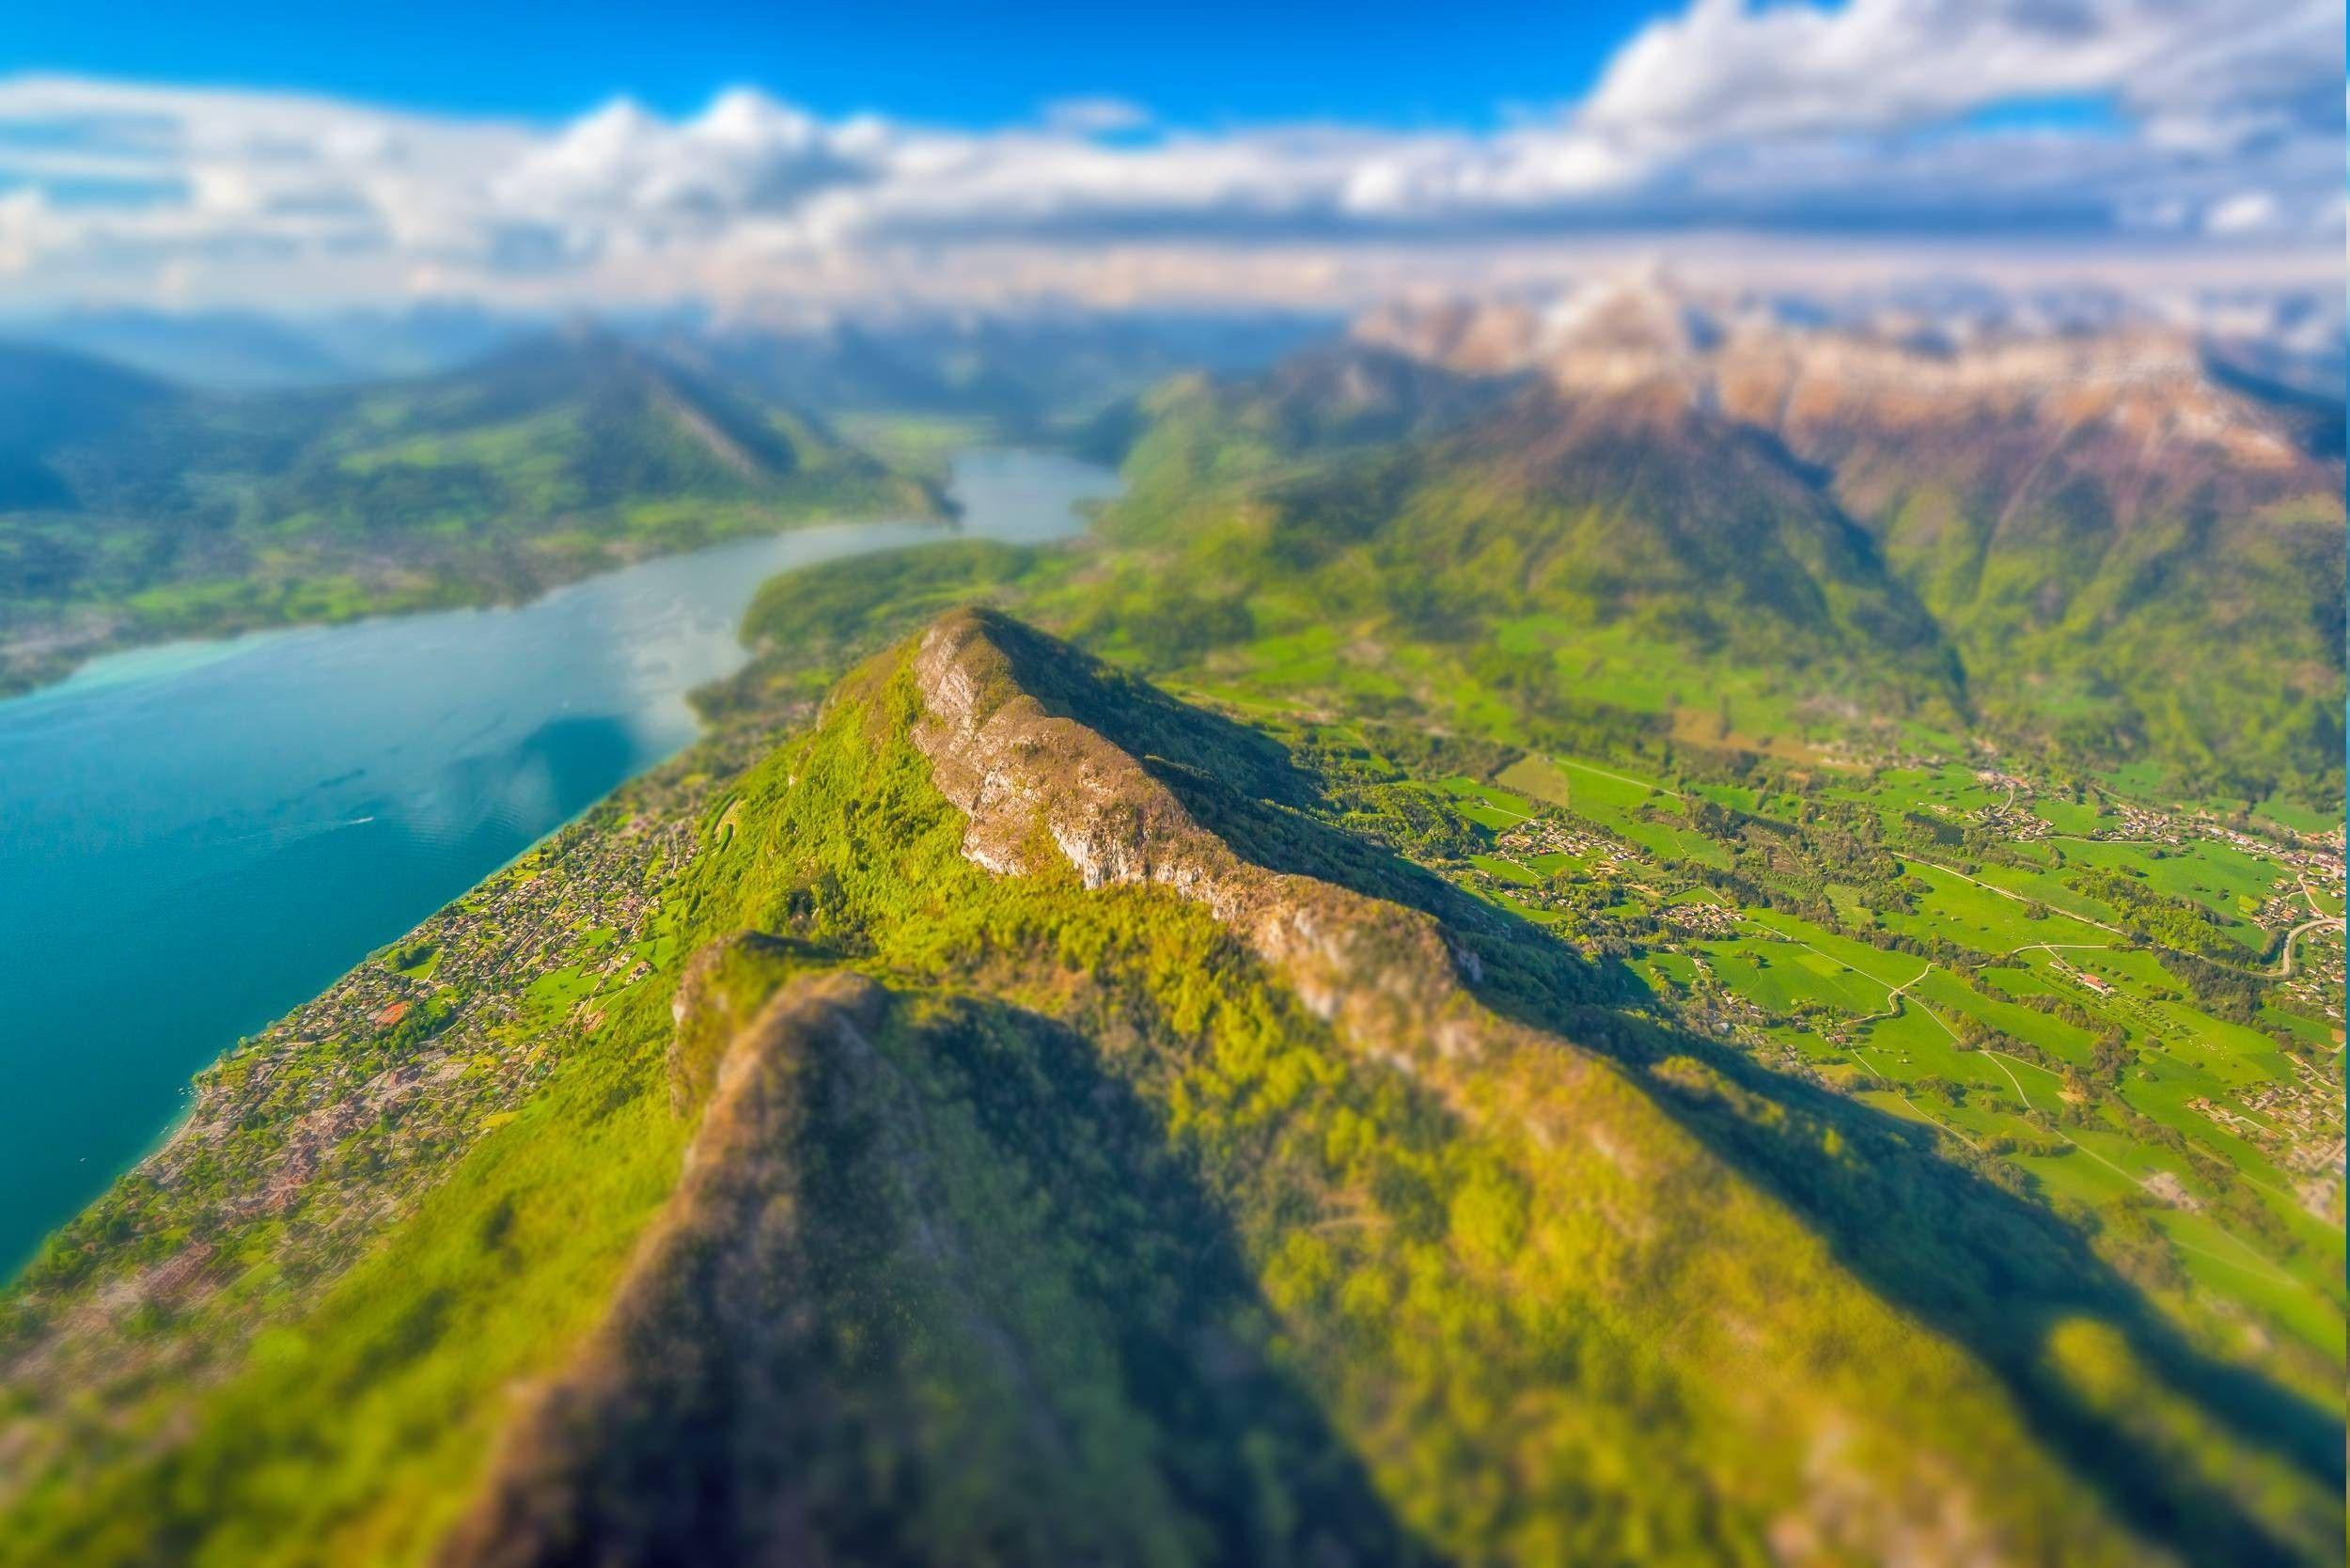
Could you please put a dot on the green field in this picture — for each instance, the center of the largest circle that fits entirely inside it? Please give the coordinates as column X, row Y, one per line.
column 2034, row 1024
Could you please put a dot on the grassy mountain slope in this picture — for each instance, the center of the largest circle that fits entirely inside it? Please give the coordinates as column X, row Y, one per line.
column 1014, row 1118
column 132, row 510
column 2152, row 576
column 2116, row 592
column 2134, row 551
column 1490, row 554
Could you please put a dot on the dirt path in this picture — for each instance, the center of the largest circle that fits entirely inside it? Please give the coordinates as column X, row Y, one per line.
column 2061, row 947
column 1635, row 783
column 1892, row 1008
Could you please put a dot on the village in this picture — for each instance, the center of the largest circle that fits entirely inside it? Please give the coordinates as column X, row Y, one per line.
column 398, row 1065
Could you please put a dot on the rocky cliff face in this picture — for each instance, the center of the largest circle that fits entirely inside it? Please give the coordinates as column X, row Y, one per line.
column 1035, row 783
column 2147, row 387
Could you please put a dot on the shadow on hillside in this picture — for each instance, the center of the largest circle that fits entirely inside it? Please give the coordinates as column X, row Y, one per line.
column 1169, row 1279
column 1242, row 785
column 1992, row 1270
column 935, row 1289
column 1145, row 722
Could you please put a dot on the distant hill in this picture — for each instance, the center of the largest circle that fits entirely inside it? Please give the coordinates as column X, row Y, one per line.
column 246, row 351
column 54, row 402
column 1017, row 371
column 133, row 509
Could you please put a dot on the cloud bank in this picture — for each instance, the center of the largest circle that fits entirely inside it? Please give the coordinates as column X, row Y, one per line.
column 2204, row 133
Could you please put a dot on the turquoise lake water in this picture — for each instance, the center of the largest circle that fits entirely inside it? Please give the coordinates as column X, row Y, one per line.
column 195, row 838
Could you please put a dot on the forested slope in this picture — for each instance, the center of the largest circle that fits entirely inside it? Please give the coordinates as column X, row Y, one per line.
column 1014, row 1119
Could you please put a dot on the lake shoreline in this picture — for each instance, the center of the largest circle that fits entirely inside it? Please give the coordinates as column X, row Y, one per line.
column 206, row 834
column 73, row 658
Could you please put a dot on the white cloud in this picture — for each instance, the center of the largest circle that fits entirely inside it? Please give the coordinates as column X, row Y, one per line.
column 1733, row 68
column 2247, row 212
column 2211, row 123
column 1094, row 117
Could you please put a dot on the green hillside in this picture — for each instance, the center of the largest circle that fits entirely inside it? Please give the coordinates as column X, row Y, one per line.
column 1475, row 976
column 2111, row 599
column 1026, row 1118
column 132, row 510
column 1483, row 541
column 2115, row 601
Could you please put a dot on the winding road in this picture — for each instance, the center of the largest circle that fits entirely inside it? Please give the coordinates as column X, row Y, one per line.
column 2284, row 966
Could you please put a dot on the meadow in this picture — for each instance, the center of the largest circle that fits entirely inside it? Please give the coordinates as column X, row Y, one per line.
column 2028, row 1022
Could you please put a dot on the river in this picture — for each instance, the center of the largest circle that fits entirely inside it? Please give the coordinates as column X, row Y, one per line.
column 195, row 838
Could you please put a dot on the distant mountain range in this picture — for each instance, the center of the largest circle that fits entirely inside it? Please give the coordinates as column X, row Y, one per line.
column 1011, row 367
column 247, row 351
column 2100, row 541
column 1016, row 370
column 2123, row 540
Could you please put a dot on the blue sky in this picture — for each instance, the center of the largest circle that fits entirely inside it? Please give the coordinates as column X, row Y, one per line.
column 1383, row 62
column 286, row 155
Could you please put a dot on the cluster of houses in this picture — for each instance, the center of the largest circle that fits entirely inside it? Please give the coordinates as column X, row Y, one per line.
column 1556, row 836
column 448, row 1008
column 2137, row 822
column 2019, row 823
column 1700, row 917
column 2300, row 1126
column 2317, row 975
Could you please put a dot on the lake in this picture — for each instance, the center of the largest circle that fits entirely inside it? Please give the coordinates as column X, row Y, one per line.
column 195, row 838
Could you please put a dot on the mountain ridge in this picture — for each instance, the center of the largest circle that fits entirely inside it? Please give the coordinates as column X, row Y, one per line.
column 1239, row 1225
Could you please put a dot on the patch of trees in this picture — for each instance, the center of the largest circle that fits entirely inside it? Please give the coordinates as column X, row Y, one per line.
column 1410, row 819
column 1933, row 829
column 1179, row 627
column 2173, row 922
column 2219, row 989
column 1424, row 754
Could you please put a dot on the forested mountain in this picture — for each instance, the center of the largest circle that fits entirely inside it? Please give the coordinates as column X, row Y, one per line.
column 2126, row 550
column 132, row 509
column 1089, row 1152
